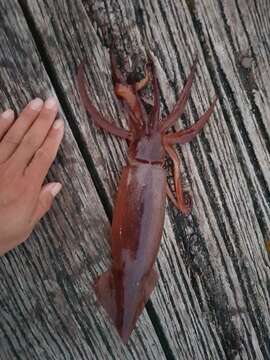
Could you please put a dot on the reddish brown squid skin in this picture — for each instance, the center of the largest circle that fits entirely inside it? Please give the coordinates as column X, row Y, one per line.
column 136, row 234
column 137, row 227
column 139, row 212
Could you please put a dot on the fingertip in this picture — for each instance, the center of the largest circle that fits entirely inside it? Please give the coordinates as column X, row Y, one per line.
column 51, row 103
column 54, row 188
column 8, row 115
column 58, row 124
column 36, row 104
column 45, row 200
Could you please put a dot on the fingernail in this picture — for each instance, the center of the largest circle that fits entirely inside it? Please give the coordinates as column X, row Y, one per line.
column 50, row 103
column 58, row 124
column 36, row 104
column 8, row 114
column 55, row 189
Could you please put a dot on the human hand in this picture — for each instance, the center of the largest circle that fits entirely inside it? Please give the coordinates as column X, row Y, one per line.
column 28, row 146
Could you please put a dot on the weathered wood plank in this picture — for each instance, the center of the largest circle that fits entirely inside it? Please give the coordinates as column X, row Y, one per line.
column 186, row 339
column 213, row 296
column 47, row 306
column 187, row 326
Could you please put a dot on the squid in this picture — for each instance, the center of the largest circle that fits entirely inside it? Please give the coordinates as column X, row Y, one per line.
column 139, row 212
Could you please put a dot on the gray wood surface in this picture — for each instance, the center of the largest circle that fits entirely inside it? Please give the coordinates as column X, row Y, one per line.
column 212, row 298
column 47, row 304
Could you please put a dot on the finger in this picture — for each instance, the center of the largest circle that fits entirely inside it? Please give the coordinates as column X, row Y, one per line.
column 6, row 119
column 16, row 132
column 36, row 135
column 45, row 200
column 44, row 157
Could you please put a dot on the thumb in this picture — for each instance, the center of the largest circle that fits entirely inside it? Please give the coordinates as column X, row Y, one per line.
column 45, row 200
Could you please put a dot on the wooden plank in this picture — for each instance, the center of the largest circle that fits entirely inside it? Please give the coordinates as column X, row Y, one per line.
column 212, row 300
column 47, row 305
column 198, row 340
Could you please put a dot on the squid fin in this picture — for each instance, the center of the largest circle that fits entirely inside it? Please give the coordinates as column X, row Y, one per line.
column 124, row 314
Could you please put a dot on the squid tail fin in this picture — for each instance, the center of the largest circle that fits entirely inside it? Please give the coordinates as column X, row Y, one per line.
column 124, row 305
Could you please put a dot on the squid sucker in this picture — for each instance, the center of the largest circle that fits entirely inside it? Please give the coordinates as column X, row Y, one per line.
column 139, row 212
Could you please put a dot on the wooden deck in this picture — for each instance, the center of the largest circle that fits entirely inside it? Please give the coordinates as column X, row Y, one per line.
column 213, row 296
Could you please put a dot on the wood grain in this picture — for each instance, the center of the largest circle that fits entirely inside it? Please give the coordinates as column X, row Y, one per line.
column 81, row 42
column 212, row 299
column 47, row 305
column 208, row 300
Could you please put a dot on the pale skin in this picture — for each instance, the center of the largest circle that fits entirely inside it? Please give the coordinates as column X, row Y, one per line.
column 28, row 147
